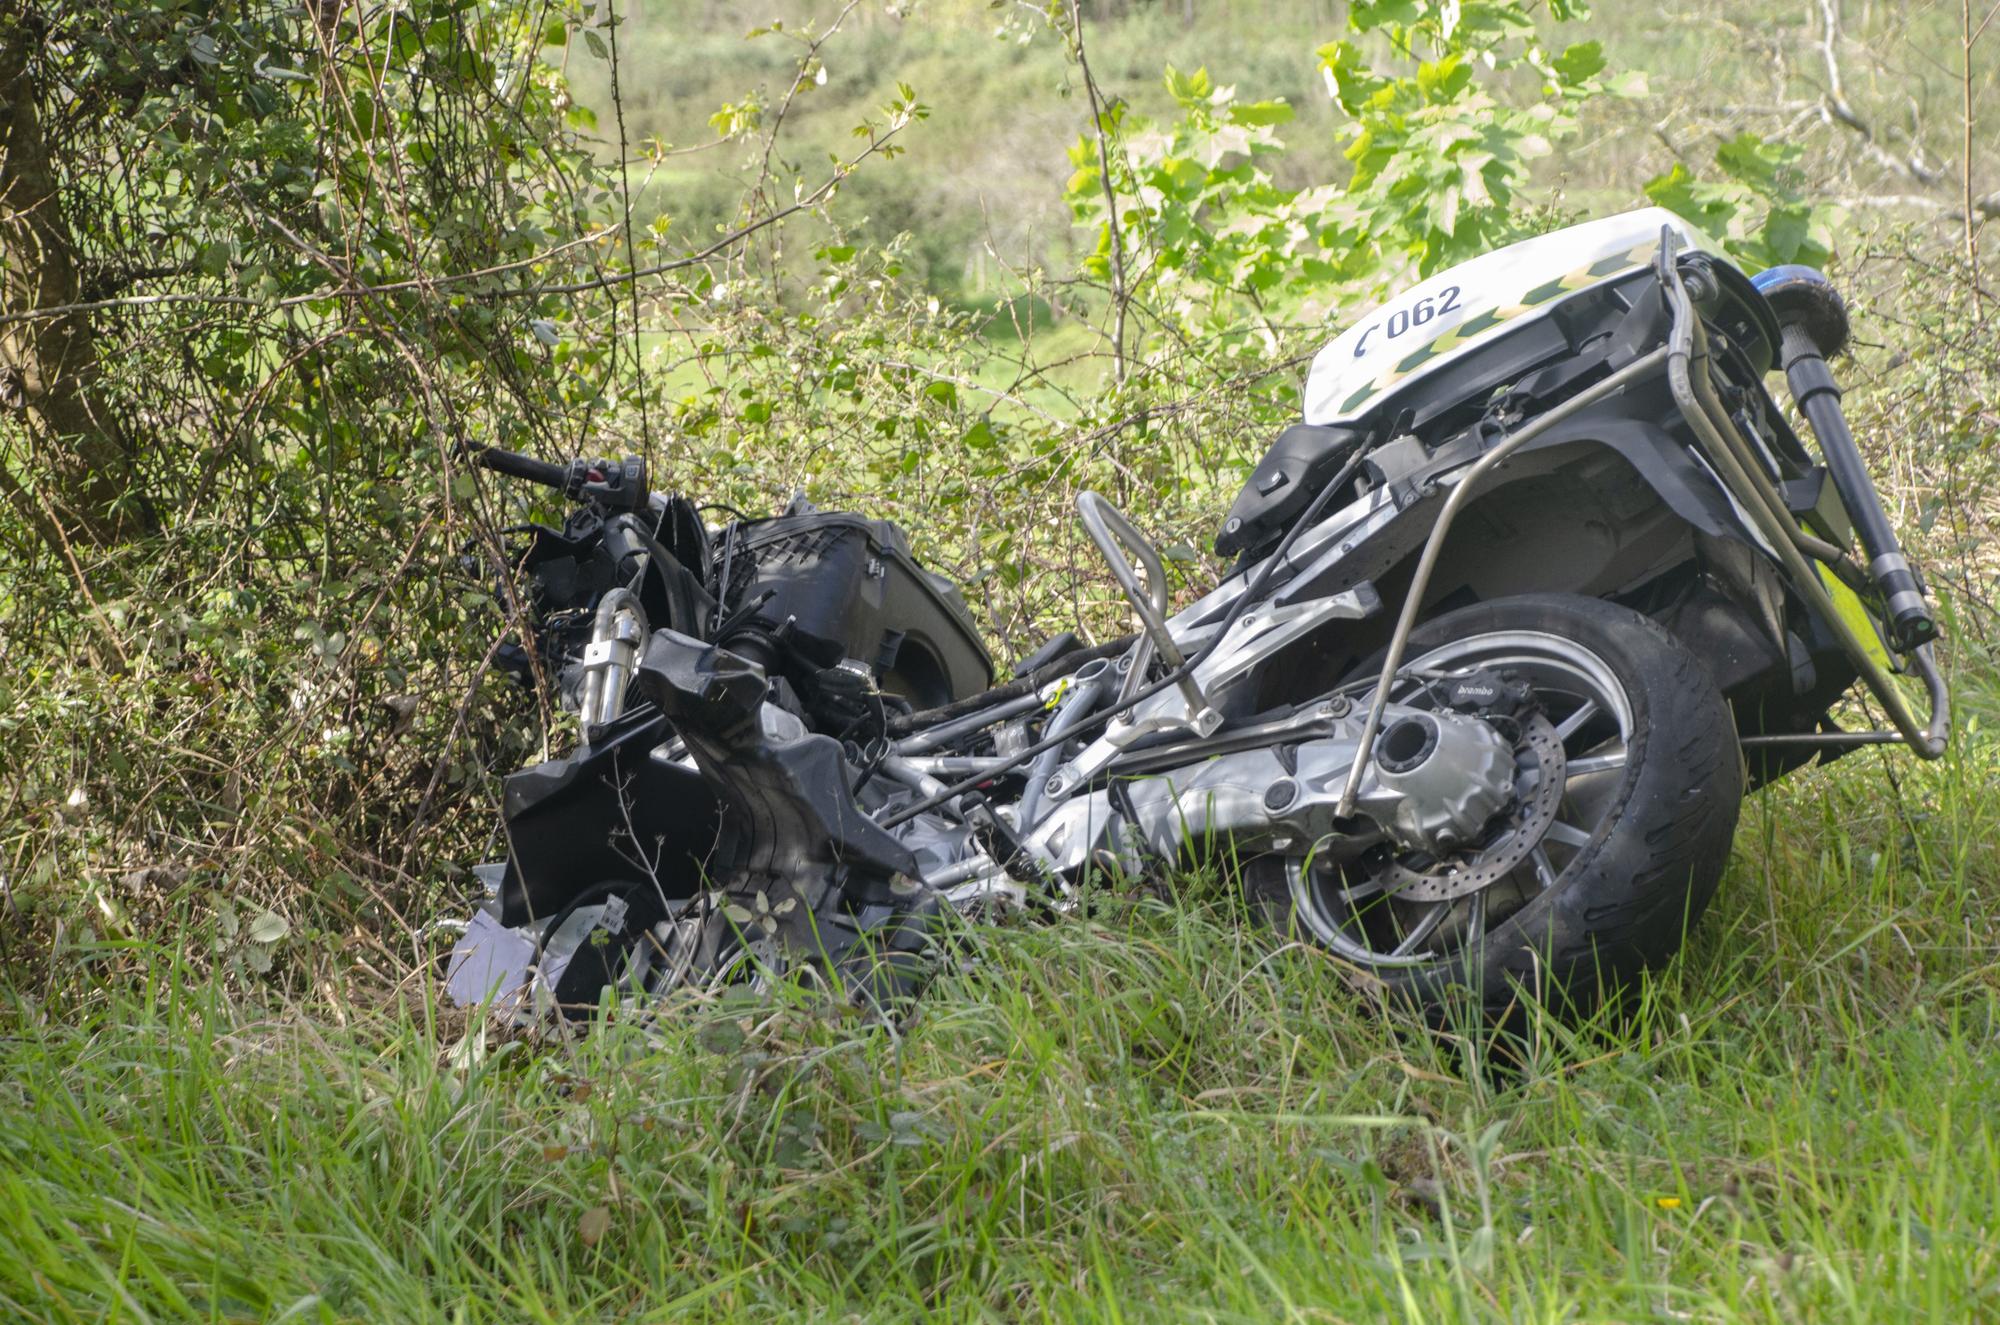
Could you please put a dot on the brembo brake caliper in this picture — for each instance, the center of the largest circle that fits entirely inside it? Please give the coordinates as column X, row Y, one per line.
column 1500, row 698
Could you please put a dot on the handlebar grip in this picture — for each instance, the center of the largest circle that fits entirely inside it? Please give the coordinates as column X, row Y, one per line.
column 516, row 465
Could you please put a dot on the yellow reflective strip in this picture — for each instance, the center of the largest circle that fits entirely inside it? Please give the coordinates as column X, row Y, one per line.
column 1503, row 314
column 1855, row 613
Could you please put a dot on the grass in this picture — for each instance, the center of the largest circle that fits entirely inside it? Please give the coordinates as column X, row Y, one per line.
column 1145, row 1114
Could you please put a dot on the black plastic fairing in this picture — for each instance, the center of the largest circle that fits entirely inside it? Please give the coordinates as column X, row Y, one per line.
column 786, row 792
column 1285, row 480
column 848, row 587
column 608, row 811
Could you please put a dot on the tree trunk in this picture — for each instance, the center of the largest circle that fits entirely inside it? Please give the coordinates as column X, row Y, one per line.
column 76, row 460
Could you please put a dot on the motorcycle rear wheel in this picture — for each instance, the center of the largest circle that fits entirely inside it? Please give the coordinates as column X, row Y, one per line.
column 1652, row 785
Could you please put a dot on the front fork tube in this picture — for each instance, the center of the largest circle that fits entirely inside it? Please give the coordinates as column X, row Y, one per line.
column 1687, row 373
column 1910, row 620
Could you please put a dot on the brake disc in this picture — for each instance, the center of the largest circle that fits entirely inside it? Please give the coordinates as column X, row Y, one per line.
column 1467, row 872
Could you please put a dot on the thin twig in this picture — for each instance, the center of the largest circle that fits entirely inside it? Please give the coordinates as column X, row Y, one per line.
column 631, row 253
column 1118, row 287
column 1967, row 38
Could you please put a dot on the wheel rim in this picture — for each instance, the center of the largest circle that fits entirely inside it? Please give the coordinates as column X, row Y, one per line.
column 680, row 954
column 1353, row 908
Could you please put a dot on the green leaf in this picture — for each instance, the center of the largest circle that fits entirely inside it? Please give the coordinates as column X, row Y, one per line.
column 1261, row 112
column 1629, row 85
column 1583, row 60
column 944, row 393
column 269, row 928
column 1442, row 80
column 1673, row 190
column 1189, row 89
column 1366, row 15
column 1749, row 158
column 1785, row 232
column 1444, row 209
column 1348, row 76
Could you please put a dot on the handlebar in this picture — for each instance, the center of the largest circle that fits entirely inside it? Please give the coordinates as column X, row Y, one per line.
column 606, row 484
column 516, row 465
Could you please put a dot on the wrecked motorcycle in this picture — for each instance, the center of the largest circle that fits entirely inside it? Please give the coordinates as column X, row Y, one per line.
column 1541, row 583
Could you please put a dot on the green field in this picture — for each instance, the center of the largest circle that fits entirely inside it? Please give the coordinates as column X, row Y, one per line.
column 978, row 191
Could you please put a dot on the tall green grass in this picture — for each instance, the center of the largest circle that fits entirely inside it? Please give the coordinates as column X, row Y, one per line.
column 1148, row 1113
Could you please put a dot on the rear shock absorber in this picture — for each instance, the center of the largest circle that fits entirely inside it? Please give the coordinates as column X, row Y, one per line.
column 1813, row 320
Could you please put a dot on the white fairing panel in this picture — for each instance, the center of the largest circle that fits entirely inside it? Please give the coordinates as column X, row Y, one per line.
column 1434, row 322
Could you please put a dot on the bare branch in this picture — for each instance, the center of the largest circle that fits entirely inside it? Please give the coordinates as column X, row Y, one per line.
column 1970, row 216
column 1986, row 208
column 1118, row 285
column 351, row 291
column 1835, row 107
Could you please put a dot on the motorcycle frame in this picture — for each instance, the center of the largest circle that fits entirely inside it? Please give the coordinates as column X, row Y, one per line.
column 1714, row 475
column 1181, row 701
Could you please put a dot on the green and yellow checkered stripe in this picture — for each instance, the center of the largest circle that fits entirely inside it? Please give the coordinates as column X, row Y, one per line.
column 1476, row 327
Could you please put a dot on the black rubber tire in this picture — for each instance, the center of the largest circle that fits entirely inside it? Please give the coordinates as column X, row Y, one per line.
column 1630, row 895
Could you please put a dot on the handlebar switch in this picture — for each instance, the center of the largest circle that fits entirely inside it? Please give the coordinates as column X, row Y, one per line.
column 620, row 486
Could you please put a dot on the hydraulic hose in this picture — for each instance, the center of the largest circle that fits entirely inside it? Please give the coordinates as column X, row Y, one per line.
column 929, row 725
